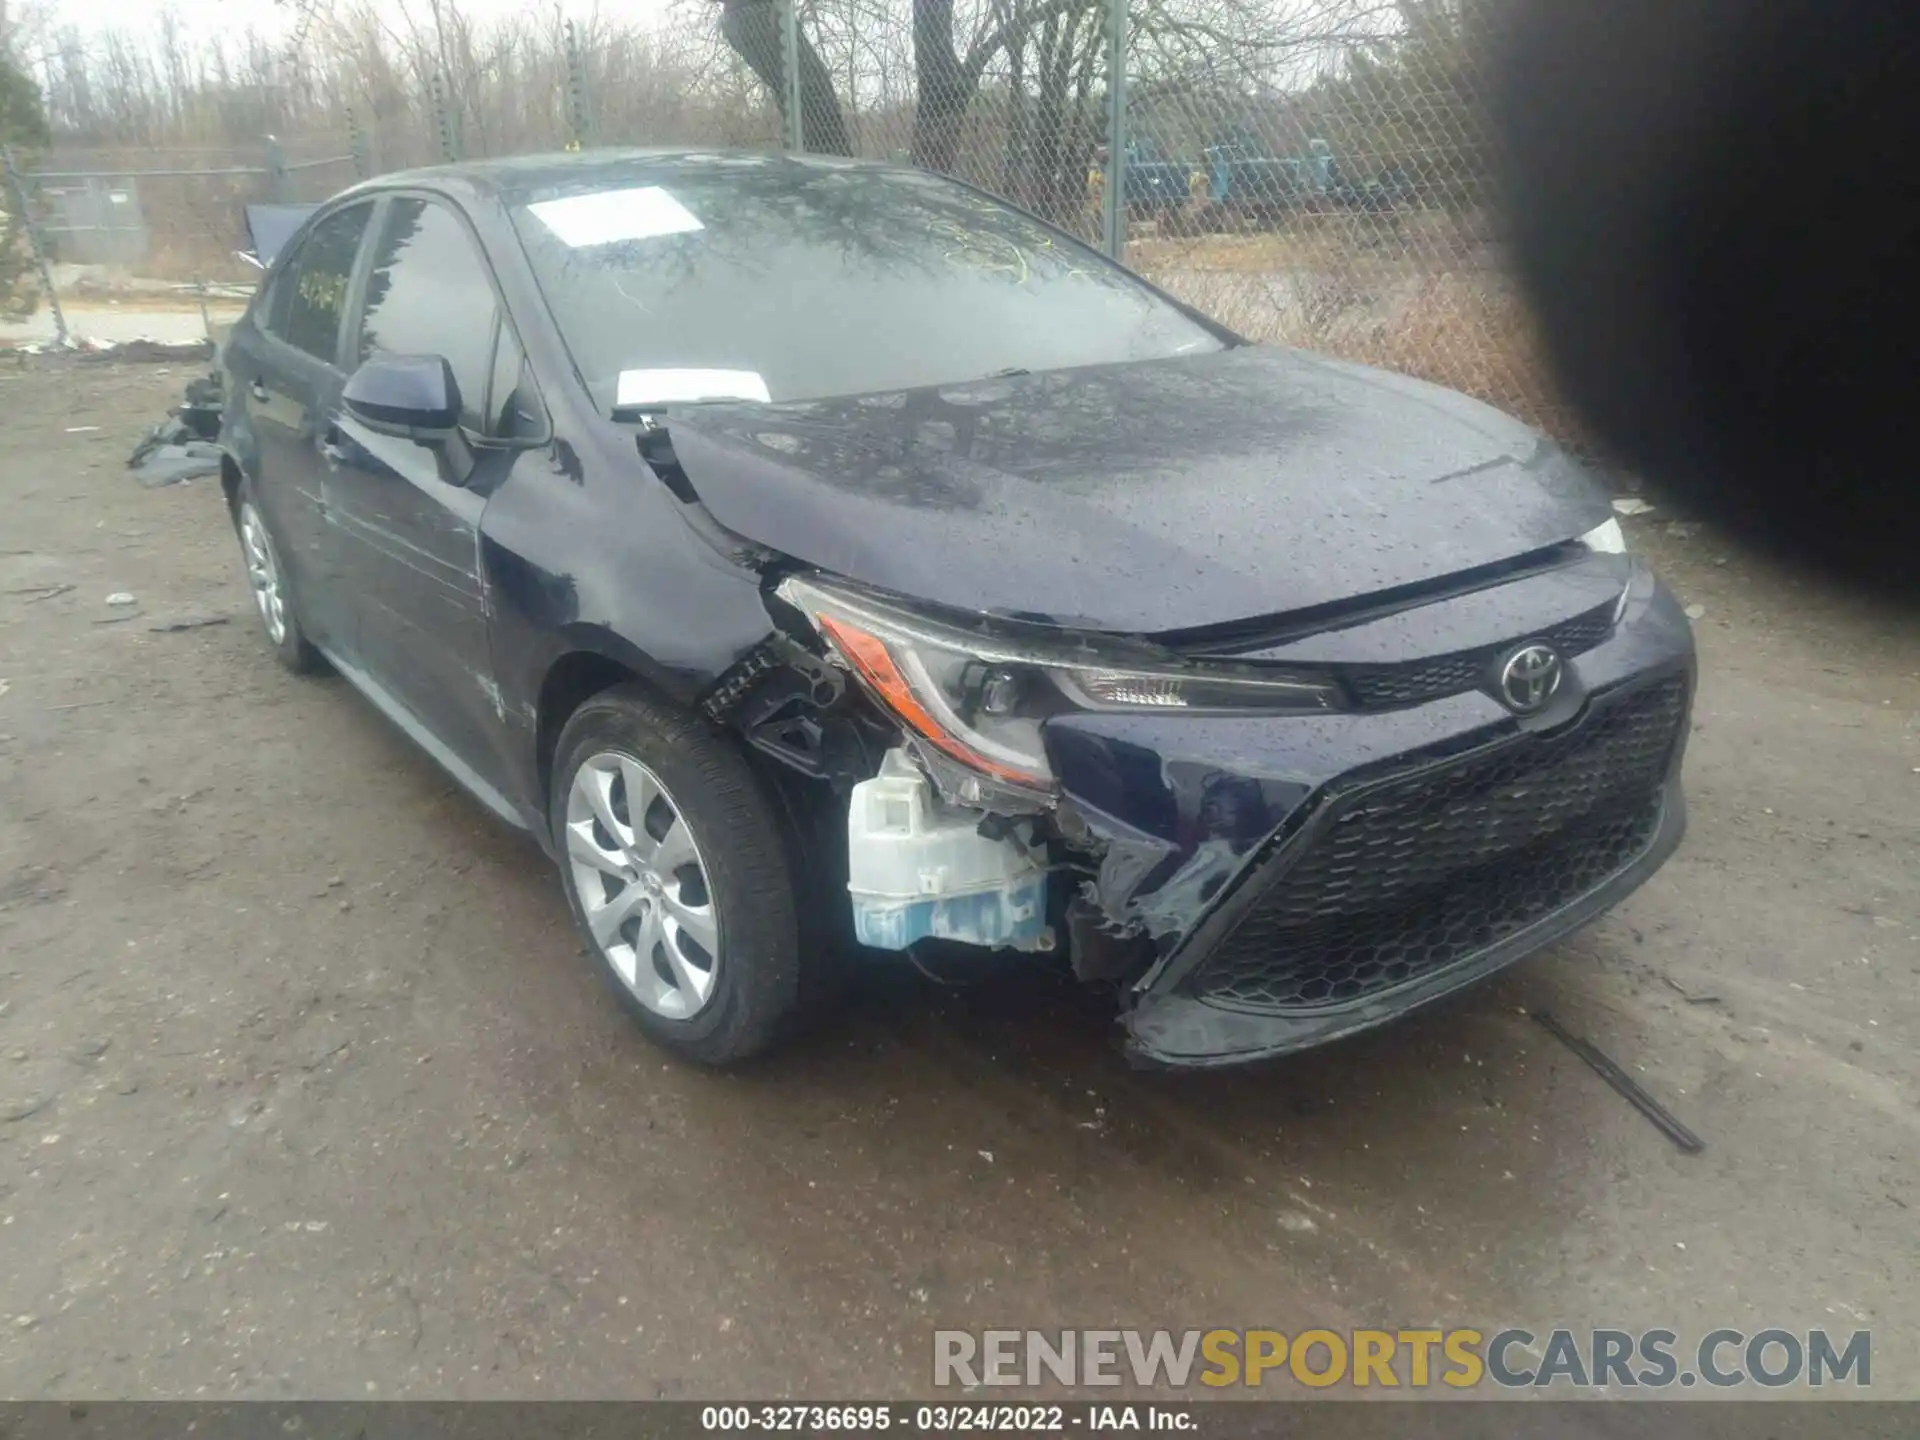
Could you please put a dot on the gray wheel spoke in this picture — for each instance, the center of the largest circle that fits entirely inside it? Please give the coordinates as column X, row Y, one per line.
column 642, row 789
column 675, row 850
column 583, row 847
column 643, row 946
column 695, row 920
column 599, row 784
column 607, row 920
column 626, row 963
column 692, row 981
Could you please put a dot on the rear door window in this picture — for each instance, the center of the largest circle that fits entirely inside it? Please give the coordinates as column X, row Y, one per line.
column 309, row 298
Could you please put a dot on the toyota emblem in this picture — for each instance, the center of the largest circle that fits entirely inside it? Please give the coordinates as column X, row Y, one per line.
column 1529, row 677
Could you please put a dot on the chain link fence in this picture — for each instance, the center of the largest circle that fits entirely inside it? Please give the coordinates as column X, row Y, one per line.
column 1341, row 201
column 1014, row 96
column 1312, row 172
column 148, row 231
column 177, row 213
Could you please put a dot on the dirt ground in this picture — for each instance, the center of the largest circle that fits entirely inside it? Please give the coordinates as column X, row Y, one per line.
column 306, row 1088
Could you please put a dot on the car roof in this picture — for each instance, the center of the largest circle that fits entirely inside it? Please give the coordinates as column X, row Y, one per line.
column 516, row 177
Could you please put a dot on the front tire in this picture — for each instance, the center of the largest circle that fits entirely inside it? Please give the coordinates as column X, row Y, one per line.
column 677, row 866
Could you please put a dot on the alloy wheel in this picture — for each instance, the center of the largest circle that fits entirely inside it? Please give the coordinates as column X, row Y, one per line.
column 263, row 573
column 642, row 885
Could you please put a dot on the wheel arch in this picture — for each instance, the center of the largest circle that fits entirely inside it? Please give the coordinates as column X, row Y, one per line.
column 230, row 477
column 590, row 661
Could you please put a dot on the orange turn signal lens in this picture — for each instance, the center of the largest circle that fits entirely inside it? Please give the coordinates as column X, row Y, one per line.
column 869, row 655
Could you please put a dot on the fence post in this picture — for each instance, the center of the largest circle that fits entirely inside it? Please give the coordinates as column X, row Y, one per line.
column 443, row 119
column 579, row 118
column 357, row 146
column 790, row 35
column 276, row 157
column 18, row 186
column 1114, row 188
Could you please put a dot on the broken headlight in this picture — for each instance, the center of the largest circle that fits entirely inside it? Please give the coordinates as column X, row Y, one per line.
column 979, row 694
column 1606, row 538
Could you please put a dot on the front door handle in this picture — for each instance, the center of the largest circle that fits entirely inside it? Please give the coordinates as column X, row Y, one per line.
column 258, row 391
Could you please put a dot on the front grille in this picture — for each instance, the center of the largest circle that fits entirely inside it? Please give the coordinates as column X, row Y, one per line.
column 1583, row 632
column 1382, row 687
column 1409, row 876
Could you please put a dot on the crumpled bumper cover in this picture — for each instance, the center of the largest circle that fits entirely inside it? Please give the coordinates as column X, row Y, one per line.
column 1170, row 1026
column 1203, row 815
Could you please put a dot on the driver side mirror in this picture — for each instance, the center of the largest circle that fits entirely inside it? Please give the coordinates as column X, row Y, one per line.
column 413, row 397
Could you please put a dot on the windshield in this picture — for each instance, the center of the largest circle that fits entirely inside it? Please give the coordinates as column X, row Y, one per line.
column 768, row 280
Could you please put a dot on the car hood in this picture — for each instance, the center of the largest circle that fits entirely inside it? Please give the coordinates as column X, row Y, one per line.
column 1148, row 497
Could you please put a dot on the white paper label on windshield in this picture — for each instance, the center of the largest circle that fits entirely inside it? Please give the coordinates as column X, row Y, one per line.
column 643, row 212
column 666, row 387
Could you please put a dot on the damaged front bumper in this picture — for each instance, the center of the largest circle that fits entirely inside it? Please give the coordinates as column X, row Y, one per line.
column 1180, row 1024
column 1253, row 882
column 1290, row 881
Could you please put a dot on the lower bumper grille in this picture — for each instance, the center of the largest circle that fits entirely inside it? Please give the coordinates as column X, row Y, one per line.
column 1404, row 878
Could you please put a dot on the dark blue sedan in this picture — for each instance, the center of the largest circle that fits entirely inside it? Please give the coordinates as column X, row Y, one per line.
column 829, row 562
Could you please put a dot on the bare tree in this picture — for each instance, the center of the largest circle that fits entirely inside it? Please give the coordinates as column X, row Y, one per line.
column 1005, row 91
column 753, row 28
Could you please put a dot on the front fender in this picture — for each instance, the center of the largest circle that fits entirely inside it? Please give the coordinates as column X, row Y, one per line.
column 594, row 560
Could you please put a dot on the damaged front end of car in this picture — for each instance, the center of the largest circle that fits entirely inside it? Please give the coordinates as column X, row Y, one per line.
column 1254, row 857
column 1197, row 714
column 930, row 730
column 966, row 834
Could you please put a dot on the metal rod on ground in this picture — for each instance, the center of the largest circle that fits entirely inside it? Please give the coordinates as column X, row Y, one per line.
column 44, row 175
column 1628, row 1087
column 276, row 171
column 790, row 73
column 314, row 164
column 1114, row 190
column 19, row 189
column 206, row 320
